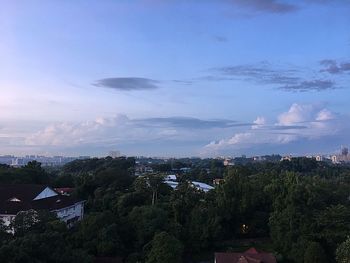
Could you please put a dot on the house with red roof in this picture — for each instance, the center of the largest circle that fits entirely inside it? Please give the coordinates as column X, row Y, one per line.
column 249, row 256
column 15, row 198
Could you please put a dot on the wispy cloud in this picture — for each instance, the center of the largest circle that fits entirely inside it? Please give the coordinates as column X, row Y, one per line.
column 189, row 123
column 334, row 67
column 307, row 85
column 185, row 82
column 220, row 38
column 283, row 78
column 127, row 84
column 266, row 6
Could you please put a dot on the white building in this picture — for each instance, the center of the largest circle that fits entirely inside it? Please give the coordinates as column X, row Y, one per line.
column 170, row 177
column 21, row 197
column 170, row 180
column 202, row 186
column 172, row 184
column 319, row 158
column 335, row 159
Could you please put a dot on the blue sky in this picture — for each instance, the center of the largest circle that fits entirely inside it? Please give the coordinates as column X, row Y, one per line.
column 174, row 78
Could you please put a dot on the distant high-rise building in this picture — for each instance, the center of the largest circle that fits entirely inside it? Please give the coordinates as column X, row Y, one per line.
column 334, row 159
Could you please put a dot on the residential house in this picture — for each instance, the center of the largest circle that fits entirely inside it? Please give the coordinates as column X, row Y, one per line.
column 15, row 198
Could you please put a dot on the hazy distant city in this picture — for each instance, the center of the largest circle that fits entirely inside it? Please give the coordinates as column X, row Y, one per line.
column 342, row 156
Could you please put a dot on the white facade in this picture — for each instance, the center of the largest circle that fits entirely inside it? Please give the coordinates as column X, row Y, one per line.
column 74, row 212
column 172, row 184
column 202, row 186
column 319, row 158
column 170, row 177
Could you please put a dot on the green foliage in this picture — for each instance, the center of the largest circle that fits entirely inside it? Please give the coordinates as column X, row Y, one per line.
column 165, row 248
column 315, row 253
column 41, row 247
column 146, row 221
column 31, row 221
column 99, row 235
column 301, row 205
column 343, row 252
column 32, row 173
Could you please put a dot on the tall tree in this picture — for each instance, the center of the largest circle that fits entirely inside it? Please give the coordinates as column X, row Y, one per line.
column 165, row 248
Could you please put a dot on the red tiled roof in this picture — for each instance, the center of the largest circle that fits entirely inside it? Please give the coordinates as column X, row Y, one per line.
column 252, row 250
column 249, row 256
column 64, row 190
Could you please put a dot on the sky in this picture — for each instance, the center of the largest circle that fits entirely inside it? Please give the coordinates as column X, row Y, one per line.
column 174, row 78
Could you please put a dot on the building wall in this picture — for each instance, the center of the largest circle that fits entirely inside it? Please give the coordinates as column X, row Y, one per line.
column 71, row 212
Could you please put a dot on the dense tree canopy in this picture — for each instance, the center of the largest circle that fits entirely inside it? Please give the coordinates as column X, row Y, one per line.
column 299, row 208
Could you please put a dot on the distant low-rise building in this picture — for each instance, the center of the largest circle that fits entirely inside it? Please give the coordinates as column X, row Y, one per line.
column 17, row 198
column 228, row 162
column 319, row 158
column 286, row 158
column 202, row 186
column 170, row 177
column 170, row 180
column 172, row 184
column 141, row 169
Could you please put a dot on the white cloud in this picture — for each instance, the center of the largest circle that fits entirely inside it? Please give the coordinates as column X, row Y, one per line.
column 296, row 114
column 259, row 122
column 324, row 115
column 306, row 121
column 120, row 130
column 70, row 134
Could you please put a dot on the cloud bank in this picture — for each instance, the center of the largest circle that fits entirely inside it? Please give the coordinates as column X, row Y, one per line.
column 301, row 122
column 121, row 130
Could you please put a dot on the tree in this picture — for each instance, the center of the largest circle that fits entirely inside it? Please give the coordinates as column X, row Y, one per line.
column 34, row 173
column 155, row 181
column 315, row 253
column 31, row 221
column 165, row 248
column 333, row 226
column 98, row 234
column 4, row 234
column 146, row 221
column 343, row 251
column 48, row 246
column 291, row 219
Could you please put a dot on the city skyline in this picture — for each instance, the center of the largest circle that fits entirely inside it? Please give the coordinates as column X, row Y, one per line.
column 174, row 78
